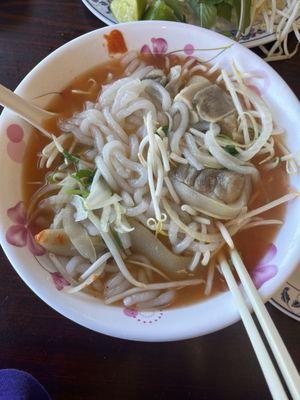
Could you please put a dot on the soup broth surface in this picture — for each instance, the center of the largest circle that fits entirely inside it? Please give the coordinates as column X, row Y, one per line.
column 252, row 243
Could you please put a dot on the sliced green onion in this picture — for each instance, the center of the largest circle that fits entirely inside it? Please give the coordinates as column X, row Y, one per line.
column 70, row 157
column 83, row 193
column 231, row 149
column 85, row 176
column 117, row 239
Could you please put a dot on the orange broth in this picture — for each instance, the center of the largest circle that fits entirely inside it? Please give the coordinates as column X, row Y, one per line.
column 252, row 243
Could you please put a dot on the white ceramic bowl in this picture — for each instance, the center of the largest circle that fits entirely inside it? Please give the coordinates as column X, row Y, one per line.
column 53, row 74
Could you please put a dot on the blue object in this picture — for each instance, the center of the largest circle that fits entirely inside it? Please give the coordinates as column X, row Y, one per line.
column 19, row 385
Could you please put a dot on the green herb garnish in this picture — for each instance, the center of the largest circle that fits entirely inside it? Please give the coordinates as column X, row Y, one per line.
column 117, row 239
column 165, row 129
column 178, row 8
column 231, row 149
column 225, row 136
column 70, row 157
column 160, row 10
column 162, row 131
column 85, row 176
column 83, row 193
column 243, row 13
column 205, row 12
column 224, row 10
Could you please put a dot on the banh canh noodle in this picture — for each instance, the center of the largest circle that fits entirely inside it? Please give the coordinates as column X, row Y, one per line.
column 162, row 165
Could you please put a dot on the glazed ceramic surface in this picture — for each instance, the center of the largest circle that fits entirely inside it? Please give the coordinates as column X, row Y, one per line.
column 52, row 75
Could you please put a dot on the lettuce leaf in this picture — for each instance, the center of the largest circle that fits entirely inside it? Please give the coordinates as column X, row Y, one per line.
column 246, row 16
column 224, row 10
column 205, row 12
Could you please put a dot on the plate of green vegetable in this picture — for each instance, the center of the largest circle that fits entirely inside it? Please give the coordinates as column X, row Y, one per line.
column 253, row 23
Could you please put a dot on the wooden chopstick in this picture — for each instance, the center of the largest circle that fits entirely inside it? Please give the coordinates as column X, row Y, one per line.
column 282, row 356
column 262, row 355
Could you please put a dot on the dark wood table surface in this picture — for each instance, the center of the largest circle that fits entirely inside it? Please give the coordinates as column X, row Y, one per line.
column 71, row 361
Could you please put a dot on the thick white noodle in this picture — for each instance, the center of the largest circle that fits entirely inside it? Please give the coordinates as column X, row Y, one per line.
column 180, row 107
column 133, row 139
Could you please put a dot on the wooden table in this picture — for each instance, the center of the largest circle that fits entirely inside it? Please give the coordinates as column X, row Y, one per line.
column 73, row 362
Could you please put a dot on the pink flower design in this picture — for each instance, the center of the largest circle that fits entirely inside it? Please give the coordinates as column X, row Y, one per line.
column 189, row 49
column 264, row 271
column 130, row 313
column 59, row 280
column 159, row 46
column 149, row 317
column 16, row 146
column 19, row 234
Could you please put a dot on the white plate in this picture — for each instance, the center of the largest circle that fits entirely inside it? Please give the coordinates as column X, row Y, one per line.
column 287, row 299
column 52, row 75
column 257, row 36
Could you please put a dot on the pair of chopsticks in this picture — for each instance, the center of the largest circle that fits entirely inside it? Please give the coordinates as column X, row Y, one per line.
column 283, row 358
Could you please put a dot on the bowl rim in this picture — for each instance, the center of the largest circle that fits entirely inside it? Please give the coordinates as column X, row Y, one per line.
column 185, row 334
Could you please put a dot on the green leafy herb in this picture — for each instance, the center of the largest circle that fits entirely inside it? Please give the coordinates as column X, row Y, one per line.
column 212, row 2
column 117, row 239
column 206, row 12
column 178, row 8
column 85, row 176
column 224, row 10
column 243, row 13
column 230, row 148
column 228, row 34
column 225, row 136
column 83, row 193
column 202, row 12
column 165, row 129
column 70, row 157
column 162, row 130
column 159, row 10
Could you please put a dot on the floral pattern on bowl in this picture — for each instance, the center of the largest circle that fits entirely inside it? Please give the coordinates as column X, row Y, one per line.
column 16, row 145
column 58, row 280
column 20, row 233
column 87, row 310
column 143, row 317
column 159, row 46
